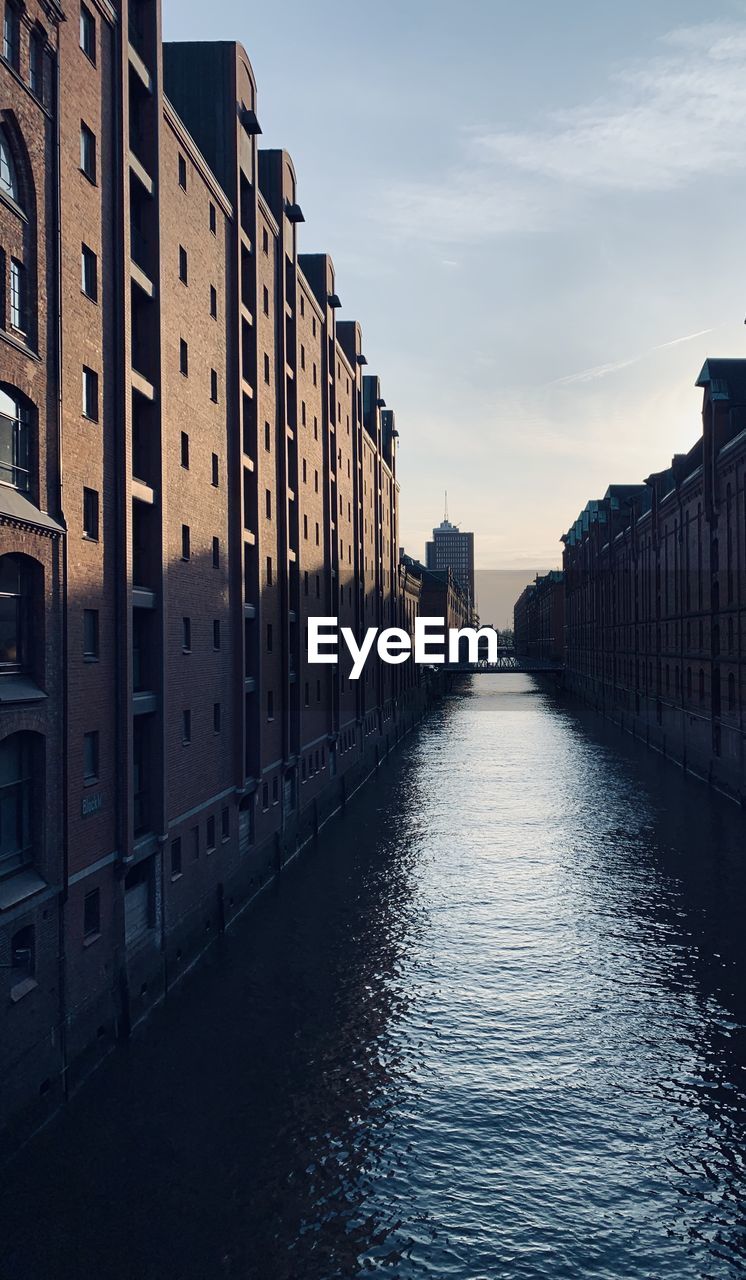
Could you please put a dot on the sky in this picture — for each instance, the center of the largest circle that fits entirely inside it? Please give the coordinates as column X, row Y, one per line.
column 536, row 211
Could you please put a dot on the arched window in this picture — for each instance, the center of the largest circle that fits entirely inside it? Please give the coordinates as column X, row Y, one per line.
column 16, row 795
column 14, row 440
column 8, row 177
column 15, row 601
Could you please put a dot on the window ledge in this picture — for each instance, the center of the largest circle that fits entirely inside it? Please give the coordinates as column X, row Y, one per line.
column 22, row 989
column 91, row 939
column 14, row 341
column 17, row 888
column 20, row 688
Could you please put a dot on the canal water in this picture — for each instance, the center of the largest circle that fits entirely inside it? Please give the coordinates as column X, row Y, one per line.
column 492, row 1028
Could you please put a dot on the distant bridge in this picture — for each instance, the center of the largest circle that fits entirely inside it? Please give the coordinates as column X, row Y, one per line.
column 508, row 663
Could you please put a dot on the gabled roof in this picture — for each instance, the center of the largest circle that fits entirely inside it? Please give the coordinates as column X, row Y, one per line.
column 724, row 379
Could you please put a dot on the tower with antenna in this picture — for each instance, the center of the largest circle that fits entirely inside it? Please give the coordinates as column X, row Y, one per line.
column 452, row 549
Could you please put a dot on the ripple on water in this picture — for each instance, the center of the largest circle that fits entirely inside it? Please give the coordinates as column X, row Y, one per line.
column 492, row 1030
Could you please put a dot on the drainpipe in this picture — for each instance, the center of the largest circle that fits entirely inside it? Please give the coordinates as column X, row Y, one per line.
column 62, row 897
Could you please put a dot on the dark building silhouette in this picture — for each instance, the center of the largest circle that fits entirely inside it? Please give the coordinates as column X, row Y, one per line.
column 656, row 595
column 193, row 462
column 539, row 619
column 454, row 550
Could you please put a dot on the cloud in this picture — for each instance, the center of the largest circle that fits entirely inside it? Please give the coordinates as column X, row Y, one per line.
column 678, row 116
column 603, row 370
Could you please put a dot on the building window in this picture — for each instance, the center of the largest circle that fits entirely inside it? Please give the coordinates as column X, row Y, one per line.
column 305, row 525
column 269, row 571
column 186, row 542
column 267, row 437
column 90, row 756
column 225, row 823
column 270, row 705
column 266, row 367
column 90, row 394
column 213, row 302
column 213, row 386
column 89, row 273
column 8, row 179
column 186, row 727
column 275, row 790
column 92, row 915
column 87, row 152
column 216, row 717
column 213, row 219
column 176, row 857
column 185, row 450
column 90, row 514
column 18, row 296
column 265, row 242
column 186, row 635
column 16, row 802
column 36, row 66
column 265, row 797
column 11, row 35
column 14, row 614
column 182, row 173
column 265, row 300
column 14, row 441
column 184, row 357
column 90, row 634
column 88, row 33
column 215, row 470
column 211, row 834
column 216, row 553
column 216, row 633
column 268, row 503
column 183, row 265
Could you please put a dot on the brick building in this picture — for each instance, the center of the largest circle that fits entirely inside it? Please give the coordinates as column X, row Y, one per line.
column 539, row 619
column 193, row 463
column 434, row 593
column 656, row 595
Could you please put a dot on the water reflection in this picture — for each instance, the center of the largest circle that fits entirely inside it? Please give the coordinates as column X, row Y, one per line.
column 493, row 1028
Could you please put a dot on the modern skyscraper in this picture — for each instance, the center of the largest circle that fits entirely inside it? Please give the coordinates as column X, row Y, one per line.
column 454, row 550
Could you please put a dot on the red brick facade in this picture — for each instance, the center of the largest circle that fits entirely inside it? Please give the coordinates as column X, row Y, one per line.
column 656, row 595
column 195, row 465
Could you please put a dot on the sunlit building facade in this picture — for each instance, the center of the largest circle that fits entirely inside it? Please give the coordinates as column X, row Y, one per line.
column 193, row 461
